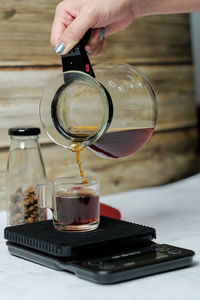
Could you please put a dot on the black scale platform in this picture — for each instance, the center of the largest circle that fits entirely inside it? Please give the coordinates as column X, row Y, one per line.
column 111, row 233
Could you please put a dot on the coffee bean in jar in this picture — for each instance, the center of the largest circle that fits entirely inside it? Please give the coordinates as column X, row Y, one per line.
column 24, row 207
column 25, row 170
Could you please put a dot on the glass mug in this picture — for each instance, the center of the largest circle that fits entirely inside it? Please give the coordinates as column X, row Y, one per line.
column 75, row 206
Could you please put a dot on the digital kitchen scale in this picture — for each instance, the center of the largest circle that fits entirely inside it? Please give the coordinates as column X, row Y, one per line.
column 117, row 251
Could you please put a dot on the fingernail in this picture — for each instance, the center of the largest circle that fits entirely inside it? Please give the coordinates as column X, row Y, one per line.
column 59, row 48
column 101, row 34
column 89, row 51
column 69, row 47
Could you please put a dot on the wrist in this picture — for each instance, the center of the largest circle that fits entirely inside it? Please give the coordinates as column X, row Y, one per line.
column 141, row 8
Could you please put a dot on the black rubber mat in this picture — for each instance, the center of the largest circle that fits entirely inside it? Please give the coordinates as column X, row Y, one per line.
column 43, row 237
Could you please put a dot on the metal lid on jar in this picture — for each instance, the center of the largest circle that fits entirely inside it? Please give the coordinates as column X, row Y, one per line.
column 24, row 131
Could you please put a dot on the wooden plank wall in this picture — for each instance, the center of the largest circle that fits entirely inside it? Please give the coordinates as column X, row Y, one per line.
column 159, row 46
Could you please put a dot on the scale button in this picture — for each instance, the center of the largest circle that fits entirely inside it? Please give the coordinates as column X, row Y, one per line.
column 161, row 255
column 107, row 266
column 101, row 264
column 130, row 263
column 175, row 251
column 162, row 249
column 93, row 262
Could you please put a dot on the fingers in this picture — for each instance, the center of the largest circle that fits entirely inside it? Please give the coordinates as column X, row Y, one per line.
column 97, row 50
column 95, row 41
column 58, row 27
column 72, row 33
column 62, row 19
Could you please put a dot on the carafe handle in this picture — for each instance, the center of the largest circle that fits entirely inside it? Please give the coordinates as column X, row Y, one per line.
column 77, row 59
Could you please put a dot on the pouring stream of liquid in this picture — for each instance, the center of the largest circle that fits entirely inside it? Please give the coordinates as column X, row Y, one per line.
column 77, row 150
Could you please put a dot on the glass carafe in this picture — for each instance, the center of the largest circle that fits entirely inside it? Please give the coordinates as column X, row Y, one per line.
column 112, row 109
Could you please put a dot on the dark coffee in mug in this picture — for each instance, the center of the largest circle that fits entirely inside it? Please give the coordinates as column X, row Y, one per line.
column 78, row 207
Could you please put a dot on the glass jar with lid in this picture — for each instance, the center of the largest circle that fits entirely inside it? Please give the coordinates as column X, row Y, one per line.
column 25, row 169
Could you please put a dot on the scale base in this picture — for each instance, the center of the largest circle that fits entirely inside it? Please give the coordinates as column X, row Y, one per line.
column 117, row 251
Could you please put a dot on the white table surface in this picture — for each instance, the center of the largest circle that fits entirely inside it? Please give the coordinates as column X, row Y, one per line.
column 174, row 210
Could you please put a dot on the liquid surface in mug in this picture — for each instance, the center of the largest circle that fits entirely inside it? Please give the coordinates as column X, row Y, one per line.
column 78, row 207
column 118, row 143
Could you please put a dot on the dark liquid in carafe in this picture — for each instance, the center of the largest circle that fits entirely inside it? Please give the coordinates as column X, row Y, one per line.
column 118, row 143
column 78, row 210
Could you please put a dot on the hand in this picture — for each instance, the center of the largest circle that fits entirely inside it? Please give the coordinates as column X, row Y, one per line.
column 74, row 17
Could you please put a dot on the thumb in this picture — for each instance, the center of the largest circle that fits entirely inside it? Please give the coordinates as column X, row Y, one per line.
column 73, row 34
